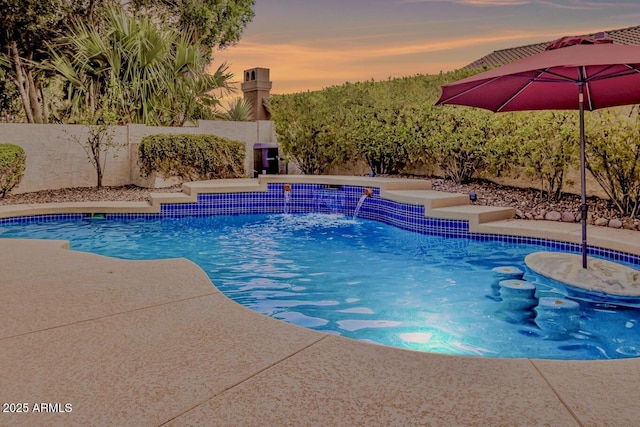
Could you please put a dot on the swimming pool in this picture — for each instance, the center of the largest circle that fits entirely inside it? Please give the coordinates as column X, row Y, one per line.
column 359, row 278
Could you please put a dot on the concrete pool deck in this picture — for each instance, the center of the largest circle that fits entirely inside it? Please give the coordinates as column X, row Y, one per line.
column 136, row 343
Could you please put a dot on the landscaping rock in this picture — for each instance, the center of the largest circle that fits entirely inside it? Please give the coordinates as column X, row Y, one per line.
column 568, row 217
column 602, row 222
column 553, row 216
column 615, row 223
column 532, row 202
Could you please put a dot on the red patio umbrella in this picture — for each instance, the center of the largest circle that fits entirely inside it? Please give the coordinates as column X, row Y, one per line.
column 574, row 73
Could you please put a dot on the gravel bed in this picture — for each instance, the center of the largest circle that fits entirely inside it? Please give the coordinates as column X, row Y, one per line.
column 531, row 203
column 128, row 193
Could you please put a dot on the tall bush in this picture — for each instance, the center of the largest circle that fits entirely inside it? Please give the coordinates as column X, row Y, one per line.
column 613, row 156
column 394, row 125
column 307, row 126
column 370, row 121
column 460, row 142
column 12, row 165
column 548, row 143
column 378, row 123
column 192, row 157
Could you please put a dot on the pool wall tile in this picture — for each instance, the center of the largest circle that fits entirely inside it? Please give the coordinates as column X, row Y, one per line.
column 330, row 199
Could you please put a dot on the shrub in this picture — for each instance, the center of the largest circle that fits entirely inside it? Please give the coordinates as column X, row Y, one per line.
column 613, row 156
column 192, row 157
column 308, row 126
column 378, row 123
column 12, row 165
column 460, row 142
column 381, row 138
column 548, row 142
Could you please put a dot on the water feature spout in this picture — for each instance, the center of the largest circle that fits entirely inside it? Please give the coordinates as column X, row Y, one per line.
column 287, row 197
column 368, row 192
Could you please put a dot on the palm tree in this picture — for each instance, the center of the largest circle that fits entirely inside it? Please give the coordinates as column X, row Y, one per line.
column 143, row 72
column 238, row 110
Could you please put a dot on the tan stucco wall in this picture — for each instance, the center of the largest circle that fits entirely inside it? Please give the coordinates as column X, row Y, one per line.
column 56, row 160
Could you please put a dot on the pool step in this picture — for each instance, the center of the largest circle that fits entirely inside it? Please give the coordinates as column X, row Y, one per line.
column 440, row 204
column 475, row 214
column 430, row 199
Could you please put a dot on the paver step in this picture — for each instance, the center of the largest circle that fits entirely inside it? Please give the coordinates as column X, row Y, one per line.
column 431, row 199
column 475, row 214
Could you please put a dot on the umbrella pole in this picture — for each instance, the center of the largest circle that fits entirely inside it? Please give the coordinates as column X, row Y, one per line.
column 583, row 191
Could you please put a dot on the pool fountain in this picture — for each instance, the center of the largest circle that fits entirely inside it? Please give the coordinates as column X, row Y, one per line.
column 286, row 188
column 368, row 192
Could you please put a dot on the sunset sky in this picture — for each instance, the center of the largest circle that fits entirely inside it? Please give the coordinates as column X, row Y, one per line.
column 312, row 44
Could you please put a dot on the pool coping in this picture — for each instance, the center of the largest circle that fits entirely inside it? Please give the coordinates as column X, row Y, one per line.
column 153, row 343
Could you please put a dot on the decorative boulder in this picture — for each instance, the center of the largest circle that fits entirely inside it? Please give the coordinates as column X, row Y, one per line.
column 615, row 223
column 602, row 222
column 553, row 216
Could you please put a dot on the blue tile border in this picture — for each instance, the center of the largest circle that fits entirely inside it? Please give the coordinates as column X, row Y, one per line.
column 320, row 198
column 40, row 218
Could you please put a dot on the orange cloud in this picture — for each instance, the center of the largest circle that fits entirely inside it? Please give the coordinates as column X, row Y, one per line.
column 313, row 64
column 299, row 66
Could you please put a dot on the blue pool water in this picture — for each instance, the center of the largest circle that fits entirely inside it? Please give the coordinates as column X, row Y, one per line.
column 361, row 279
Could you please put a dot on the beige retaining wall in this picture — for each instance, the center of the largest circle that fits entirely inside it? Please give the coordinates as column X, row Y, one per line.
column 56, row 160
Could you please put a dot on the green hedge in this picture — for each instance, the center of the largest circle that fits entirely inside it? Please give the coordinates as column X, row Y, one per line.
column 12, row 165
column 192, row 157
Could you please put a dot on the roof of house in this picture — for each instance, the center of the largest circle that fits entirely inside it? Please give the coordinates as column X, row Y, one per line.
column 630, row 36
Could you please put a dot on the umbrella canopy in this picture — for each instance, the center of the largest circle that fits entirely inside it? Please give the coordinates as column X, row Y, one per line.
column 610, row 75
column 574, row 73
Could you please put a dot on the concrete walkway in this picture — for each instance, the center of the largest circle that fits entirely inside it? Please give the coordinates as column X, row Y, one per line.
column 99, row 341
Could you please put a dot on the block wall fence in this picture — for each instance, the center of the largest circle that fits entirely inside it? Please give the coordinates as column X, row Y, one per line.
column 56, row 160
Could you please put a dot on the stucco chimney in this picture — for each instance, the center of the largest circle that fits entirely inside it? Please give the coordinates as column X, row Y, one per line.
column 256, row 87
